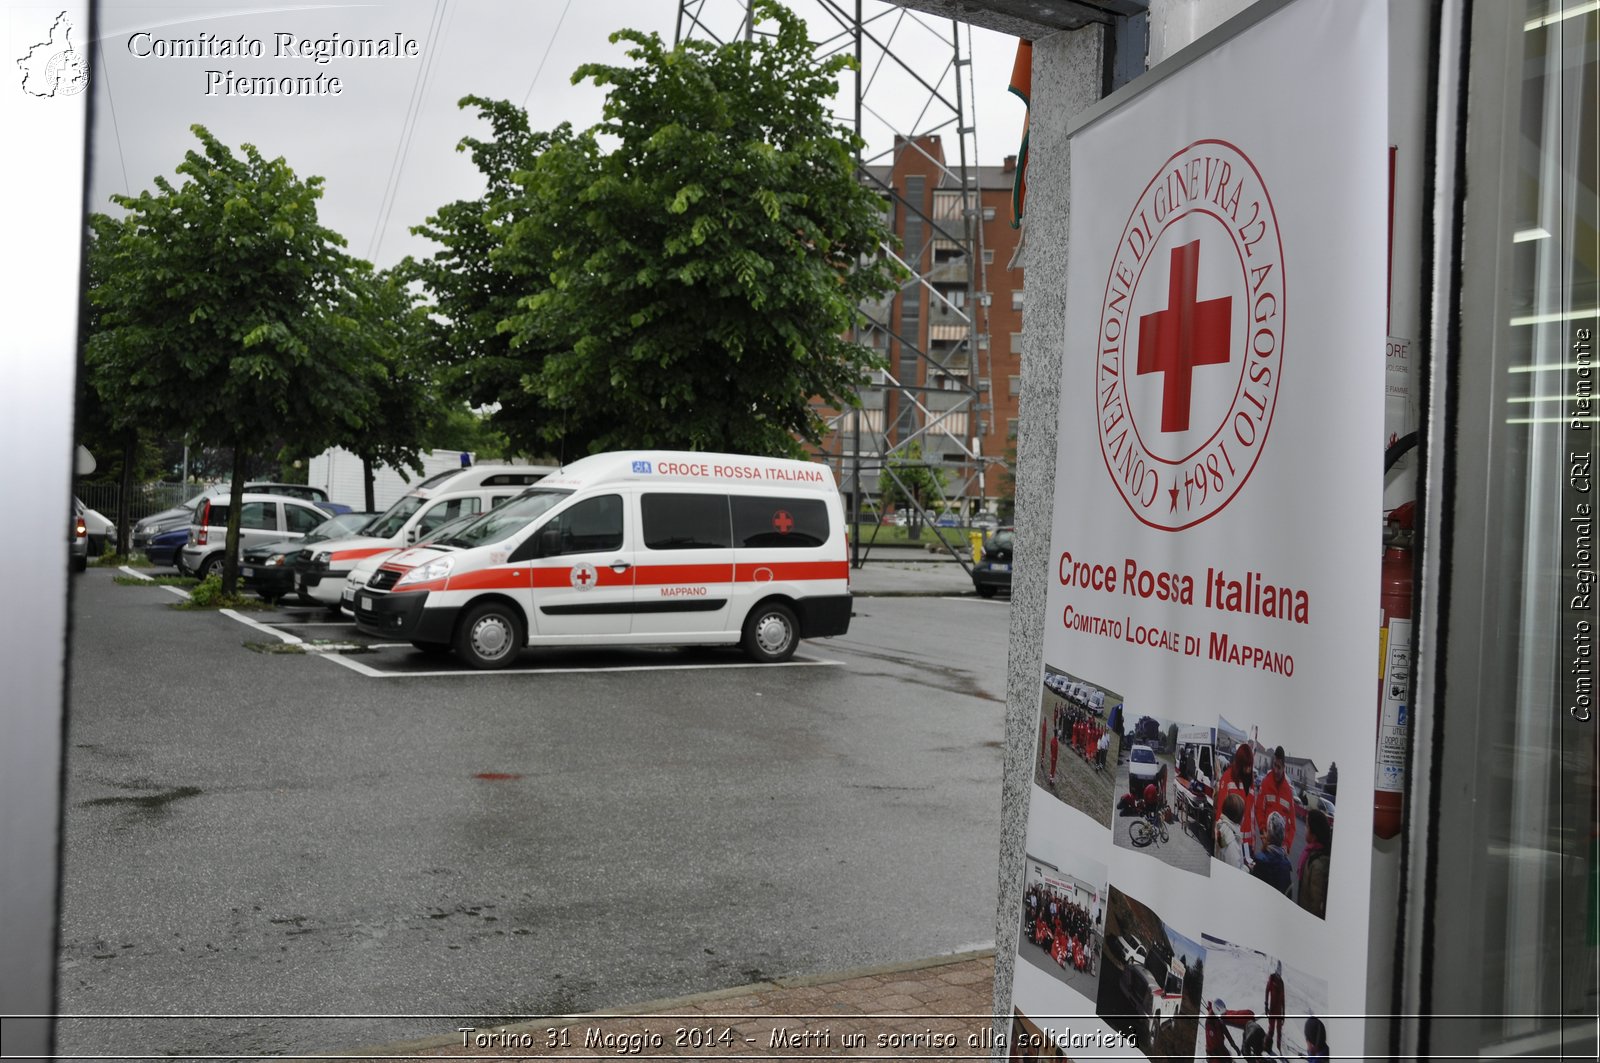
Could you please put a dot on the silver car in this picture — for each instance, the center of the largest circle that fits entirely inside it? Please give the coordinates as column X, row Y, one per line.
column 262, row 519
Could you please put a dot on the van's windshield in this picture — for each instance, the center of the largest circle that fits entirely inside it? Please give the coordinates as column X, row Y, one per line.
column 507, row 519
column 389, row 525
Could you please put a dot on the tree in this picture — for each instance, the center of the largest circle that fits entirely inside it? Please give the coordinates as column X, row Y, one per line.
column 381, row 327
column 214, row 300
column 473, row 288
column 696, row 281
column 910, row 481
column 1172, row 737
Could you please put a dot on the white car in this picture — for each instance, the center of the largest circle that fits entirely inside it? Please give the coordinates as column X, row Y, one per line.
column 101, row 530
column 1143, row 767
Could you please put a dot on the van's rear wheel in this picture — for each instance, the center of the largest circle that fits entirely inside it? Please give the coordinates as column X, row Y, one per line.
column 771, row 633
column 490, row 636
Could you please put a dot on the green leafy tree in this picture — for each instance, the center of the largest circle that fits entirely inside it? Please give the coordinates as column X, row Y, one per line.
column 381, row 327
column 1172, row 738
column 910, row 481
column 214, row 301
column 473, row 289
column 697, row 276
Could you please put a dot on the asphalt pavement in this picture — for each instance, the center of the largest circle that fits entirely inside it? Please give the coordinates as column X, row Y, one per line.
column 310, row 855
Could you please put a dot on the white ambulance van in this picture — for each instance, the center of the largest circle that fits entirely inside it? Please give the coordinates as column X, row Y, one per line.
column 648, row 547
column 320, row 571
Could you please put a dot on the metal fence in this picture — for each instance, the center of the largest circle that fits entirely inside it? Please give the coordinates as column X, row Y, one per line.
column 146, row 499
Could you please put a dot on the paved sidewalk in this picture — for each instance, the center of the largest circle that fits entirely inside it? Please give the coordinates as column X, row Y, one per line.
column 937, row 1008
column 885, row 578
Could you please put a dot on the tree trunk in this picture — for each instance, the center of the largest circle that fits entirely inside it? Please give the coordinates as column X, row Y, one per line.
column 366, row 478
column 230, row 543
column 130, row 454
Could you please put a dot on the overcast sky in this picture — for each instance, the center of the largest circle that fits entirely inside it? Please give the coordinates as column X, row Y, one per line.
column 385, row 144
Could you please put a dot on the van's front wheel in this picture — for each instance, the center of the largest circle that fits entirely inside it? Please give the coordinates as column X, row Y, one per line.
column 490, row 636
column 771, row 633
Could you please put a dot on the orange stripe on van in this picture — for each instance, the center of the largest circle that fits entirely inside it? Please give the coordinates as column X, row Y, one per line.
column 356, row 555
column 783, row 571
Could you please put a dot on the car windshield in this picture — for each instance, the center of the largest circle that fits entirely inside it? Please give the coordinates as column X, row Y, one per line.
column 337, row 527
column 449, row 528
column 508, row 518
column 1141, row 755
column 1002, row 540
column 395, row 517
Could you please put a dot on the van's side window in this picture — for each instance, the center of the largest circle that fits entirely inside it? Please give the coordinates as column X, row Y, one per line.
column 685, row 522
column 446, row 511
column 591, row 525
column 769, row 521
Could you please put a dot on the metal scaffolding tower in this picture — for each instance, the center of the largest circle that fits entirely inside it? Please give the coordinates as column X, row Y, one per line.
column 909, row 100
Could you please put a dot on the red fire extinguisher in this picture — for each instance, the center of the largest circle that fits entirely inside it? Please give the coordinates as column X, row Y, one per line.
column 1394, row 671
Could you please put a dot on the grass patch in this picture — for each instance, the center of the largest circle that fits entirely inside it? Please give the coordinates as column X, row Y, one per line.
column 155, row 581
column 119, row 560
column 275, row 647
column 207, row 594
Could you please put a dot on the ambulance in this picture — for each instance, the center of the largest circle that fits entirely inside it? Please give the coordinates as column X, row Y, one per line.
column 320, row 571
column 644, row 547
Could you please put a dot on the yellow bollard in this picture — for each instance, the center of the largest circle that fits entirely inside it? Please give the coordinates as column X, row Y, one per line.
column 976, row 539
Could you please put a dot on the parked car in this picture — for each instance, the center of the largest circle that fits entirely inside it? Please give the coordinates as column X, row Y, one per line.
column 263, row 518
column 178, row 518
column 162, row 547
column 78, row 539
column 1143, row 767
column 100, row 529
column 992, row 573
column 267, row 569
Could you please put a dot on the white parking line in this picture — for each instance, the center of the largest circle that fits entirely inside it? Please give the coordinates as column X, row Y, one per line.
column 136, row 574
column 375, row 673
column 259, row 626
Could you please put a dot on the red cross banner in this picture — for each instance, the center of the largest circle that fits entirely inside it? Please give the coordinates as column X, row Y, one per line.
column 1199, row 842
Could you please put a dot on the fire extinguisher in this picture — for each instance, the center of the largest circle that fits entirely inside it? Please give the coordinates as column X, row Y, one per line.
column 1394, row 671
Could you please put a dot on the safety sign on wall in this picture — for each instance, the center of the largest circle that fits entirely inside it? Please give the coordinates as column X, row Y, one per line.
column 1200, row 818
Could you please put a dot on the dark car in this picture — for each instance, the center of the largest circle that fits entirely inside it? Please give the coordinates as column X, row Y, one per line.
column 992, row 573
column 268, row 569
column 161, row 547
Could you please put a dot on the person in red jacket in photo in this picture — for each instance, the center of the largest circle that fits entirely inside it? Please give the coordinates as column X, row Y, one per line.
column 1236, row 780
column 1277, row 795
column 1274, row 1004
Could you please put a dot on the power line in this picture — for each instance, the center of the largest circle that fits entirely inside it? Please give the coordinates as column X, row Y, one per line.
column 413, row 109
column 529, row 94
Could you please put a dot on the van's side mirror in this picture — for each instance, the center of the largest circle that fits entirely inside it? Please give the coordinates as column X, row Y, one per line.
column 549, row 542
column 411, row 536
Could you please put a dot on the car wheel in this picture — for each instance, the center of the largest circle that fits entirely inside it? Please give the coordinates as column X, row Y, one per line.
column 208, row 566
column 986, row 590
column 771, row 633
column 490, row 636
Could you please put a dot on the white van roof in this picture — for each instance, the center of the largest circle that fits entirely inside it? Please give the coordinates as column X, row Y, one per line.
column 693, row 467
column 470, row 477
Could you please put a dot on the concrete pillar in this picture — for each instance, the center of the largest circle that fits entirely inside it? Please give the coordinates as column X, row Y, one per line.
column 1068, row 77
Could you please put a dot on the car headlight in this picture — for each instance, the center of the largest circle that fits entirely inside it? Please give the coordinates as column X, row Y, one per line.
column 276, row 559
column 322, row 557
column 431, row 571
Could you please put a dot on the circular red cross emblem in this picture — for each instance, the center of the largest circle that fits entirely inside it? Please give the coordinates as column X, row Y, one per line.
column 1190, row 341
column 783, row 522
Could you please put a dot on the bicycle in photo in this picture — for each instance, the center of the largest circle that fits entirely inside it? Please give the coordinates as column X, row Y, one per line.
column 1148, row 828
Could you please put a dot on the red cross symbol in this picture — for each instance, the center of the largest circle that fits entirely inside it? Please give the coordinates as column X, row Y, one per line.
column 583, row 576
column 1186, row 334
column 782, row 521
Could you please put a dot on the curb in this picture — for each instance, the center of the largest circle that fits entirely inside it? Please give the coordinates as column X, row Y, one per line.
column 662, row 1006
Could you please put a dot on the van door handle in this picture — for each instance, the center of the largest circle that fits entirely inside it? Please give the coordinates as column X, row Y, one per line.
column 620, row 566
